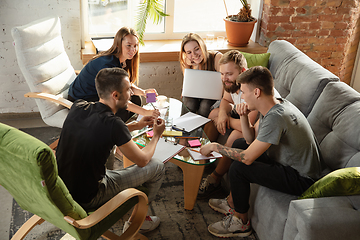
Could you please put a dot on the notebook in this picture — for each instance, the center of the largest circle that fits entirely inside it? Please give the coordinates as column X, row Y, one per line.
column 164, row 151
column 198, row 156
column 189, row 121
column 202, row 84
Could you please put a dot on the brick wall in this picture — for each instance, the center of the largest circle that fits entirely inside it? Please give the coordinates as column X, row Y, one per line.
column 326, row 30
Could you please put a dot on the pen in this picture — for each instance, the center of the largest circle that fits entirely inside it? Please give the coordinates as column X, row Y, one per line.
column 153, row 106
column 194, row 150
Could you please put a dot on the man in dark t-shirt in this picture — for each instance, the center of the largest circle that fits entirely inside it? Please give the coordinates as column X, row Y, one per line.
column 89, row 133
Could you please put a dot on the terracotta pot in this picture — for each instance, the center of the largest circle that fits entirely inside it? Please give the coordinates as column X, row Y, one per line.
column 238, row 33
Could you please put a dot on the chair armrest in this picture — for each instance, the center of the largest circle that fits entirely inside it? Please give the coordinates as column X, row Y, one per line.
column 110, row 206
column 47, row 96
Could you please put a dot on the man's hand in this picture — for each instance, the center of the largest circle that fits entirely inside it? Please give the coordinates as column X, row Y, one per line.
column 207, row 149
column 158, row 127
column 222, row 123
column 145, row 121
column 242, row 109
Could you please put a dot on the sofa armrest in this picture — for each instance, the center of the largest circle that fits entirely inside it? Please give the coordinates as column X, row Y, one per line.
column 323, row 218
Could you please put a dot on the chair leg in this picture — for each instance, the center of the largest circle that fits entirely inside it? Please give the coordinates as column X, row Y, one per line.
column 26, row 227
column 53, row 145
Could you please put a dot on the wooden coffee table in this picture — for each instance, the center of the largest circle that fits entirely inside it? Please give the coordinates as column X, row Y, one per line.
column 192, row 170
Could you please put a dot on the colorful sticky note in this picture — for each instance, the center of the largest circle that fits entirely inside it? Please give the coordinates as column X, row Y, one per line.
column 194, row 143
column 150, row 133
column 150, row 97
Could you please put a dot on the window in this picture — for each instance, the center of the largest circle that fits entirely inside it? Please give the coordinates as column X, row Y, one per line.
column 103, row 18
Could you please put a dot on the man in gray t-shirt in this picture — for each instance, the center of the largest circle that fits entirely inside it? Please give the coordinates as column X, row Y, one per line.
column 291, row 138
column 279, row 152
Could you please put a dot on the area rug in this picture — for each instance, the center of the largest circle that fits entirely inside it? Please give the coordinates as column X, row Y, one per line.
column 176, row 222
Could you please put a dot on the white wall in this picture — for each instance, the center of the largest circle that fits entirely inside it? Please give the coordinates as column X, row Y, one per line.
column 166, row 77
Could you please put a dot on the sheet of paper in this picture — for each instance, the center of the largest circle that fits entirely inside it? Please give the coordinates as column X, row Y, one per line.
column 166, row 150
column 198, row 156
column 190, row 121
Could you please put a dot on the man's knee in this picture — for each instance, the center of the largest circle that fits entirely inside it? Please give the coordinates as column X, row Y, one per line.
column 236, row 168
column 240, row 143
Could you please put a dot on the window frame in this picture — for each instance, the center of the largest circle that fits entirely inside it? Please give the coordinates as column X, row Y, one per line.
column 169, row 22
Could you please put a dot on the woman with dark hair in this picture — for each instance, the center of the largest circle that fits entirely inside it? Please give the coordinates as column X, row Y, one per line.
column 124, row 53
column 194, row 55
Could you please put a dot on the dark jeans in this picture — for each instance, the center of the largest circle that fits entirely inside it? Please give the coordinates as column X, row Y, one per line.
column 265, row 172
column 122, row 113
column 198, row 105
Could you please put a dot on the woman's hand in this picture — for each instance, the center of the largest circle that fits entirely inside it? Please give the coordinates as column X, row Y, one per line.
column 154, row 113
column 145, row 121
column 151, row 90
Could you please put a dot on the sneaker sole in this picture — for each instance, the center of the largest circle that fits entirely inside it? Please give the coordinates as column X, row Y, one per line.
column 228, row 235
column 220, row 210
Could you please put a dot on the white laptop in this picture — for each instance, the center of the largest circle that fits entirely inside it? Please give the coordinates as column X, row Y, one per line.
column 202, row 84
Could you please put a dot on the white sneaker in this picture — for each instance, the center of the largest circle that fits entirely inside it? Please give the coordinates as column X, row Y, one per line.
column 150, row 223
column 230, row 226
column 221, row 206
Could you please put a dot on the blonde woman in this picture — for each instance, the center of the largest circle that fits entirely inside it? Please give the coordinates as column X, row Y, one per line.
column 124, row 53
column 194, row 55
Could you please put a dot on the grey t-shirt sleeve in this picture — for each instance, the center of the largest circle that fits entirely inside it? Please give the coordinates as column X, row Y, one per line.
column 271, row 128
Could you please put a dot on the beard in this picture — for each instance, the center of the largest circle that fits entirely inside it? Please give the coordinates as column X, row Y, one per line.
column 232, row 88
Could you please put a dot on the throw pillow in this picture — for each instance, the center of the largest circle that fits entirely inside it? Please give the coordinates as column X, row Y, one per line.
column 257, row 59
column 341, row 182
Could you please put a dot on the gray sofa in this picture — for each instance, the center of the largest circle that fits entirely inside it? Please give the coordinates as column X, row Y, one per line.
column 333, row 111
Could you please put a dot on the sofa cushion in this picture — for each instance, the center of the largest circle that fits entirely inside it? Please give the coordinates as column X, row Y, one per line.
column 252, row 60
column 297, row 77
column 341, row 182
column 334, row 120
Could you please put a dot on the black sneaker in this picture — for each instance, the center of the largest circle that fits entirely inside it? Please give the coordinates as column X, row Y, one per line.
column 208, row 187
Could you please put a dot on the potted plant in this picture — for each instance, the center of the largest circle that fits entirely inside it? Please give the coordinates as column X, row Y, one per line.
column 239, row 27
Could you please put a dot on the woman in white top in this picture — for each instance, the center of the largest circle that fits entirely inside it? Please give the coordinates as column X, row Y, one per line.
column 194, row 55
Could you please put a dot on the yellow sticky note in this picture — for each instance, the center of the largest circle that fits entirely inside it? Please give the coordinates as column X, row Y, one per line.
column 172, row 133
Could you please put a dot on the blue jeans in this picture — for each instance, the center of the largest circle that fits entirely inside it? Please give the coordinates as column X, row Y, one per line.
column 115, row 181
column 265, row 172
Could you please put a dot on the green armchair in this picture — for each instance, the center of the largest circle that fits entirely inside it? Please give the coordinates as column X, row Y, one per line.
column 28, row 171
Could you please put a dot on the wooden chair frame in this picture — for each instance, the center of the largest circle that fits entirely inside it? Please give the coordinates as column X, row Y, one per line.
column 139, row 214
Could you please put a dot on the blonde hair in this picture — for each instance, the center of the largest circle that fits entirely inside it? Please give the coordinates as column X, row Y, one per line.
column 182, row 56
column 236, row 57
column 132, row 65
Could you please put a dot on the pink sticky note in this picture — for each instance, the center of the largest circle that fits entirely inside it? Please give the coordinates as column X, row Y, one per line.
column 150, row 97
column 194, row 143
column 150, row 133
